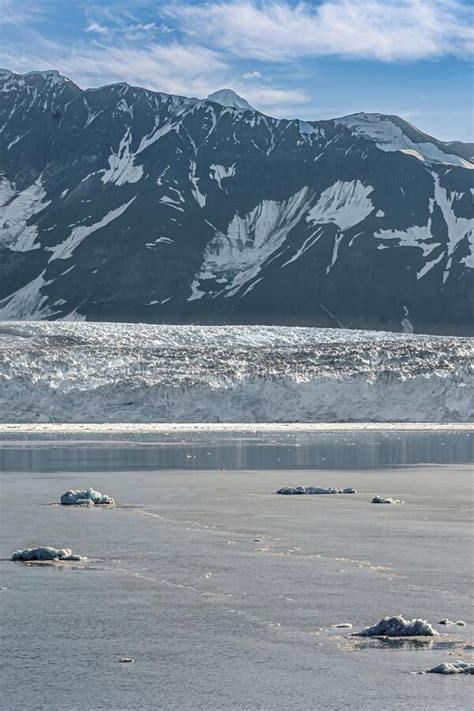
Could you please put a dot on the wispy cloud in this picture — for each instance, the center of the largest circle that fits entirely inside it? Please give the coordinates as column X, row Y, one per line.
column 95, row 27
column 252, row 75
column 277, row 31
column 268, row 50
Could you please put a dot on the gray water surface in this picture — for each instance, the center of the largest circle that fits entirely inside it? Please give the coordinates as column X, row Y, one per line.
column 225, row 593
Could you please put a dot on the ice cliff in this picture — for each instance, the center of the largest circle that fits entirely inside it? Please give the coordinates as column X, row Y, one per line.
column 116, row 372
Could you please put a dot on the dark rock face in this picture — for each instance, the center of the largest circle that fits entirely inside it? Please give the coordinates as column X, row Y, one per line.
column 124, row 204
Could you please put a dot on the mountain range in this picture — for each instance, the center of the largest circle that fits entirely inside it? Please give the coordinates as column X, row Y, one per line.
column 124, row 204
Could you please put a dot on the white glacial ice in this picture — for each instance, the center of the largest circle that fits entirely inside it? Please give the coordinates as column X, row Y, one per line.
column 399, row 627
column 46, row 554
column 297, row 490
column 84, row 372
column 85, row 497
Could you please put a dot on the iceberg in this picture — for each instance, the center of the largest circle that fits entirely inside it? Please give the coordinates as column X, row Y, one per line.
column 295, row 490
column 399, row 627
column 385, row 500
column 46, row 554
column 85, row 497
column 457, row 667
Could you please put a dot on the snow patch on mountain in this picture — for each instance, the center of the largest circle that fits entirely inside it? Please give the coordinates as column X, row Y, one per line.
column 220, row 172
column 344, row 203
column 27, row 302
column 79, row 233
column 121, row 168
column 227, row 97
column 236, row 256
column 418, row 236
column 459, row 228
column 16, row 209
column 197, row 194
column 390, row 137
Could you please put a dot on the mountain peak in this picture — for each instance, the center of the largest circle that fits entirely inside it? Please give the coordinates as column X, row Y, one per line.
column 50, row 76
column 228, row 97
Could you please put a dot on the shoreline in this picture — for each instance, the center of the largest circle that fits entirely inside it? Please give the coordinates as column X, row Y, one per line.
column 159, row 428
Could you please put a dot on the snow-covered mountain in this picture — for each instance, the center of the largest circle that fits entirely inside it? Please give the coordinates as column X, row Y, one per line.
column 120, row 203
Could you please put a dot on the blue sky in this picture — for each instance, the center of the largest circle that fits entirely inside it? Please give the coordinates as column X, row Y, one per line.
column 309, row 60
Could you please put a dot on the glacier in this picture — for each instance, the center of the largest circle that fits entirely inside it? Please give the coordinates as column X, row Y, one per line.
column 85, row 372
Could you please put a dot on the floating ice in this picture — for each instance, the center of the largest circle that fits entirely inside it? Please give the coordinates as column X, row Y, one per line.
column 85, row 497
column 457, row 667
column 291, row 490
column 461, row 623
column 399, row 627
column 343, row 624
column 385, row 500
column 46, row 553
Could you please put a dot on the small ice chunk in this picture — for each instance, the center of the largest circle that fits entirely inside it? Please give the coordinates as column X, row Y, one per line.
column 457, row 667
column 399, row 627
column 295, row 490
column 46, row 553
column 126, row 660
column 461, row 623
column 85, row 497
column 385, row 500
column 343, row 624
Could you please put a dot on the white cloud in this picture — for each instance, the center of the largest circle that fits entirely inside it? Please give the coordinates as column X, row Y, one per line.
column 95, row 27
column 386, row 30
column 252, row 75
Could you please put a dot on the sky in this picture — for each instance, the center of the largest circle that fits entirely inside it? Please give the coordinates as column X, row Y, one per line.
column 310, row 60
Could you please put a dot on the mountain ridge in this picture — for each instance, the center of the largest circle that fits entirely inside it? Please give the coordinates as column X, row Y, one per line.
column 207, row 213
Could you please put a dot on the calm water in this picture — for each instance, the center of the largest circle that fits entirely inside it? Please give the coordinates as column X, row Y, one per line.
column 321, row 450
column 225, row 593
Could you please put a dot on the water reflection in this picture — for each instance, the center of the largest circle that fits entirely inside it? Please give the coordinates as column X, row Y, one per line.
column 408, row 643
column 319, row 450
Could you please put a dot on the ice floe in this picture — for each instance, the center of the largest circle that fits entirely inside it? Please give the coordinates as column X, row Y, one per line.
column 292, row 490
column 46, row 554
column 457, row 667
column 460, row 623
column 399, row 627
column 385, row 500
column 85, row 497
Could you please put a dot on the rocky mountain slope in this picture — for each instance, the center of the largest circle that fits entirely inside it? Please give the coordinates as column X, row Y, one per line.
column 120, row 203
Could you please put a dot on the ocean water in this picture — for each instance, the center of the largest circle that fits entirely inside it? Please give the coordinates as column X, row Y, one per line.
column 223, row 593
